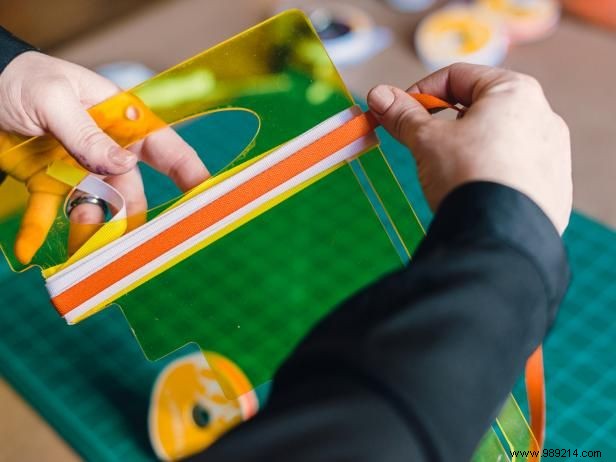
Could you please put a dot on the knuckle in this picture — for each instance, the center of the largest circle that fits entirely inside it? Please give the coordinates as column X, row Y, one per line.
column 403, row 121
column 86, row 215
column 177, row 165
column 423, row 133
column 90, row 137
column 42, row 101
column 55, row 88
column 137, row 203
column 526, row 83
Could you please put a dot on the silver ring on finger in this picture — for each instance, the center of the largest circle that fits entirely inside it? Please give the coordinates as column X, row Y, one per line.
column 86, row 199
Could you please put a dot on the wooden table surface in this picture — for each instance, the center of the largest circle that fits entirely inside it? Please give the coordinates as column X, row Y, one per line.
column 577, row 66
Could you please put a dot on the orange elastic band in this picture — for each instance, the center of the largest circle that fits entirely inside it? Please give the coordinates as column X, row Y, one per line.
column 535, row 391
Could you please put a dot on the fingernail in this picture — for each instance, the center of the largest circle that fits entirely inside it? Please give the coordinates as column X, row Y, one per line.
column 121, row 157
column 381, row 98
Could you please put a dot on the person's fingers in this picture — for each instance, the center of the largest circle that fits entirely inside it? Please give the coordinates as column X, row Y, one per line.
column 399, row 113
column 168, row 153
column 164, row 150
column 62, row 113
column 85, row 221
column 38, row 218
column 130, row 186
column 459, row 83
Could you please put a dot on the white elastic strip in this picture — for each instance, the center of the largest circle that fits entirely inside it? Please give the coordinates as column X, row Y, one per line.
column 71, row 275
column 337, row 158
column 97, row 187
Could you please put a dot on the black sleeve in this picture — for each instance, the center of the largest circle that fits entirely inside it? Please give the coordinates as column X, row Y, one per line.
column 416, row 367
column 11, row 47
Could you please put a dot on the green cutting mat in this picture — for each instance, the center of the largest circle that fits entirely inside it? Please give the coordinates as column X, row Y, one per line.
column 580, row 352
column 91, row 381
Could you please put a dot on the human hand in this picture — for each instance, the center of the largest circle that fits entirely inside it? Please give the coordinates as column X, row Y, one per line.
column 41, row 94
column 508, row 135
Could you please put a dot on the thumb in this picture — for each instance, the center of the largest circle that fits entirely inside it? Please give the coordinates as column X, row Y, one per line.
column 399, row 113
column 63, row 115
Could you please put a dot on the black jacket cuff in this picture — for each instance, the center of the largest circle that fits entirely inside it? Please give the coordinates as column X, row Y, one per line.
column 11, row 47
column 486, row 208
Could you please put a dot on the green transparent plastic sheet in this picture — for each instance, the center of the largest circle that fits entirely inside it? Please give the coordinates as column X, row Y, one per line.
column 490, row 449
column 516, row 434
column 515, row 430
column 253, row 294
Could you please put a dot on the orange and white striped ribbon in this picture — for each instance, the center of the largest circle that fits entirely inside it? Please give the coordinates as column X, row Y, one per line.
column 105, row 274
